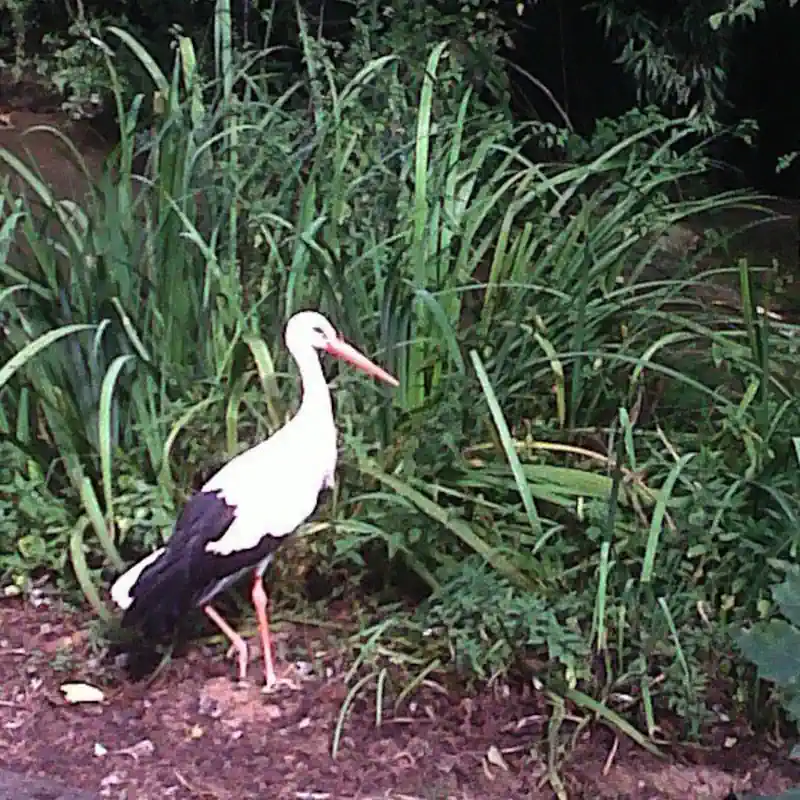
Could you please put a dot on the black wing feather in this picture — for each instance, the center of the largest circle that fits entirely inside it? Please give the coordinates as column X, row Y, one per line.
column 186, row 573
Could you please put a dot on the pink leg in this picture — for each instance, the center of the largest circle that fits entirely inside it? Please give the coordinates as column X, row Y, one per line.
column 237, row 643
column 260, row 602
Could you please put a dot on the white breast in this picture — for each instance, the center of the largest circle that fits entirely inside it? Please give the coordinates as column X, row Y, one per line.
column 275, row 486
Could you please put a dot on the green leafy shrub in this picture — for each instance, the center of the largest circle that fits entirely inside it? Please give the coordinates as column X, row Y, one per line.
column 34, row 526
column 774, row 645
column 489, row 624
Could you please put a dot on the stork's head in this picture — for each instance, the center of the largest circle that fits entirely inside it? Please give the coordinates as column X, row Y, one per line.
column 311, row 330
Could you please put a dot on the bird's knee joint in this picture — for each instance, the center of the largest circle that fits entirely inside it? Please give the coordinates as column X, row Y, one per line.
column 259, row 593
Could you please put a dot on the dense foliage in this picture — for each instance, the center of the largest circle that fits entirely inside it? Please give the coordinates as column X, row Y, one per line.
column 676, row 55
column 588, row 475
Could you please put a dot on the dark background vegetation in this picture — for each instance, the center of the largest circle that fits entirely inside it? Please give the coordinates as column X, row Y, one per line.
column 590, row 55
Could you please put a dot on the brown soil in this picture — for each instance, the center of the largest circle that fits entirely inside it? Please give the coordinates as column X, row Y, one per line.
column 28, row 136
column 193, row 732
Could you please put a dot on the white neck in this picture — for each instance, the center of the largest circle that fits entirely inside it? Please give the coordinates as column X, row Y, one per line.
column 316, row 399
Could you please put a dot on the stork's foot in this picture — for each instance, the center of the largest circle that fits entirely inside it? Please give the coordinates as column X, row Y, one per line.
column 238, row 645
column 282, row 679
column 274, row 683
column 242, row 657
column 241, row 653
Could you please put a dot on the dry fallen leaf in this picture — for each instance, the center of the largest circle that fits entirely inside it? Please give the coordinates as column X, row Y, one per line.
column 494, row 756
column 81, row 693
column 143, row 748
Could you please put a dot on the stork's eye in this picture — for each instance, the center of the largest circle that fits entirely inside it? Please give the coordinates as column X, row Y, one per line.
column 319, row 330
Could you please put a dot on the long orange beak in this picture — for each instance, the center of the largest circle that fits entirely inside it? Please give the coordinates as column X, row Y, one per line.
column 347, row 352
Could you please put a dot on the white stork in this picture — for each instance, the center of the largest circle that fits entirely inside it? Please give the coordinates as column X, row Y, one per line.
column 241, row 515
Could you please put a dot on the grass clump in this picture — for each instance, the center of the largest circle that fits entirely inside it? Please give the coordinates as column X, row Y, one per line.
column 586, row 477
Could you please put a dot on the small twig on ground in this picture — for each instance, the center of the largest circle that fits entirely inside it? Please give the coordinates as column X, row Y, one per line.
column 612, row 754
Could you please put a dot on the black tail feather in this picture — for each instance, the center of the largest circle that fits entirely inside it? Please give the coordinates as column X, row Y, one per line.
column 161, row 599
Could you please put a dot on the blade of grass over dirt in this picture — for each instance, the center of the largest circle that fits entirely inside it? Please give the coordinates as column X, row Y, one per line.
column 687, row 676
column 76, row 546
column 101, row 527
column 614, row 720
column 44, row 195
column 508, row 445
column 76, row 159
column 6, row 293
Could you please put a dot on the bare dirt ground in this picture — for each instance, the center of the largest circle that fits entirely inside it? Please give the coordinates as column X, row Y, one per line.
column 193, row 732
column 24, row 134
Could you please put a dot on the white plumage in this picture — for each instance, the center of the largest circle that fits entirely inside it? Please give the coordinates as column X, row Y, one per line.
column 121, row 590
column 236, row 521
column 293, row 466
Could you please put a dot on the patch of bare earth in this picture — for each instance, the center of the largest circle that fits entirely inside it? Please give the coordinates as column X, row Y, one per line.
column 193, row 732
column 28, row 136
